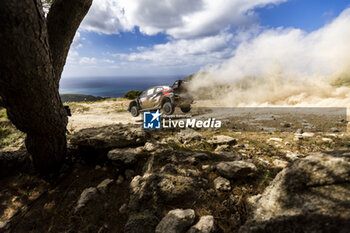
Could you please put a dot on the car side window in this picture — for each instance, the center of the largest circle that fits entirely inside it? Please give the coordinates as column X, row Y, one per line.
column 150, row 91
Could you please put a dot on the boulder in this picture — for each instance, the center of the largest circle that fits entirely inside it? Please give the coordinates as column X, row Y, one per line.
column 104, row 185
column 222, row 184
column 123, row 156
column 86, row 196
column 311, row 195
column 188, row 135
column 149, row 146
column 236, row 169
column 204, row 225
column 109, row 137
column 222, row 140
column 176, row 221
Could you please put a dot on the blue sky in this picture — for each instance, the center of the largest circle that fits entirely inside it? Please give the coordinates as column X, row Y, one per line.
column 180, row 37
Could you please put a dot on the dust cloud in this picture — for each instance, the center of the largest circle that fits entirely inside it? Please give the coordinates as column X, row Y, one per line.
column 284, row 67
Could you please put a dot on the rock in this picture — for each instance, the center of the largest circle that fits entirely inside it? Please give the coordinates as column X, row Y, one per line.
column 329, row 140
column 222, row 139
column 299, row 131
column 176, row 221
column 236, row 169
column 129, row 174
column 144, row 222
column 169, row 188
column 123, row 156
column 311, row 195
column 86, row 196
column 297, row 137
column 222, row 148
column 3, row 225
column 109, row 137
column 292, row 156
column 149, row 146
column 222, row 184
column 120, row 180
column 123, row 209
column 280, row 163
column 275, row 139
column 188, row 135
column 206, row 167
column 104, row 185
column 204, row 225
column 307, row 135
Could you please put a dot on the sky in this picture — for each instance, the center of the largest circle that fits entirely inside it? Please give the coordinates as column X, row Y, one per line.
column 139, row 38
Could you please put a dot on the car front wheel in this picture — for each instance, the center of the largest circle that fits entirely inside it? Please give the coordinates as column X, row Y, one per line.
column 134, row 111
column 168, row 108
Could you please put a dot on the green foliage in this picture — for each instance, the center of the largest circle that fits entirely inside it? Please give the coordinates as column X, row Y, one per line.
column 132, row 94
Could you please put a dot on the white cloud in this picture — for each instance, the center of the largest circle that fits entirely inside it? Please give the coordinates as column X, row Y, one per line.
column 192, row 52
column 177, row 18
column 88, row 60
column 105, row 16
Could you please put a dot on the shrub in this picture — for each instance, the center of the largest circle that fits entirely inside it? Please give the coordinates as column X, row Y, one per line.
column 132, row 94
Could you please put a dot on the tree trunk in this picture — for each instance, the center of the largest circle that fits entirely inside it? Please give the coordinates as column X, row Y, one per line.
column 28, row 83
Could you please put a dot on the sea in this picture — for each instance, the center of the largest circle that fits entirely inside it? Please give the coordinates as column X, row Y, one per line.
column 112, row 86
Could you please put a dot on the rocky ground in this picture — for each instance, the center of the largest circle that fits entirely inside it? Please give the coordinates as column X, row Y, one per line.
column 120, row 178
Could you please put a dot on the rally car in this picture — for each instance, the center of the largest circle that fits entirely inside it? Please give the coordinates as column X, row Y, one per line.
column 164, row 98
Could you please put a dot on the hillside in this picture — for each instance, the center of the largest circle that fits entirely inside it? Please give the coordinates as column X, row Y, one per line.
column 120, row 178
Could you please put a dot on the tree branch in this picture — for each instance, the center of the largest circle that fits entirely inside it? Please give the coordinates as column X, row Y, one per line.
column 63, row 21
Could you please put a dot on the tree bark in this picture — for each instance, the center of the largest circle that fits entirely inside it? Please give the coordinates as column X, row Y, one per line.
column 63, row 21
column 28, row 81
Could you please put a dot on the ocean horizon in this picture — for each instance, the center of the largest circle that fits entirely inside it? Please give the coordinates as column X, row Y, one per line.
column 112, row 86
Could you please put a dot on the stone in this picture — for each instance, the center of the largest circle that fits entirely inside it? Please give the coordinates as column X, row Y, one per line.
column 222, row 148
column 329, row 140
column 123, row 156
column 307, row 135
column 222, row 139
column 275, row 139
column 292, row 156
column 109, row 137
column 206, row 167
column 188, row 135
column 204, row 225
column 3, row 225
column 149, row 147
column 236, row 169
column 104, row 185
column 299, row 131
column 310, row 195
column 222, row 184
column 280, row 163
column 86, row 196
column 176, row 221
